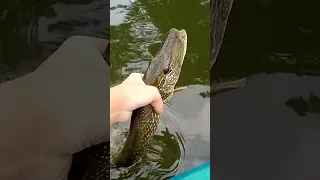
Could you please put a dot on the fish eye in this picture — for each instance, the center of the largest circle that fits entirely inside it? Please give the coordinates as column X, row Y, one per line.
column 166, row 70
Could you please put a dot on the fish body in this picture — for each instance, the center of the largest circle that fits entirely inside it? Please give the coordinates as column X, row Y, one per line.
column 163, row 72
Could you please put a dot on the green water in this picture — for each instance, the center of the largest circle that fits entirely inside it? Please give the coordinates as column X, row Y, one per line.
column 136, row 32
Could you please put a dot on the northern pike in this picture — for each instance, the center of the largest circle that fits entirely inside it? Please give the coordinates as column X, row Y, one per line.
column 163, row 73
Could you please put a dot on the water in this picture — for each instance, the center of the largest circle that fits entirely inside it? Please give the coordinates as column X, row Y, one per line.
column 270, row 129
column 137, row 30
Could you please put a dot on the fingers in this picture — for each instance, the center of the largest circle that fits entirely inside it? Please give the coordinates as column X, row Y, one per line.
column 150, row 94
column 156, row 102
column 134, row 78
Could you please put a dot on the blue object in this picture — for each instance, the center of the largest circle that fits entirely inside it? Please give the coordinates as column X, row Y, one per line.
column 201, row 172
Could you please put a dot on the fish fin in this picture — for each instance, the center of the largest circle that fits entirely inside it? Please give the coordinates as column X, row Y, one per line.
column 179, row 89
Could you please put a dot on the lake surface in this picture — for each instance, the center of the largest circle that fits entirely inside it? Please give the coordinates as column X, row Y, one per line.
column 137, row 31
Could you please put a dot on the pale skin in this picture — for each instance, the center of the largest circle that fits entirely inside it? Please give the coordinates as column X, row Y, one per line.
column 131, row 94
column 62, row 108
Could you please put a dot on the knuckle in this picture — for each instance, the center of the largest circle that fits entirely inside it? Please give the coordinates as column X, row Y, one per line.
column 133, row 75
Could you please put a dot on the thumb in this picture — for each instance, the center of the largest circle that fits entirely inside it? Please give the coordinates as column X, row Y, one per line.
column 156, row 99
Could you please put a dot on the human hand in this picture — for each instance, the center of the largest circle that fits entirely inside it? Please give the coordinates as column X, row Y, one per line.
column 131, row 94
column 69, row 94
